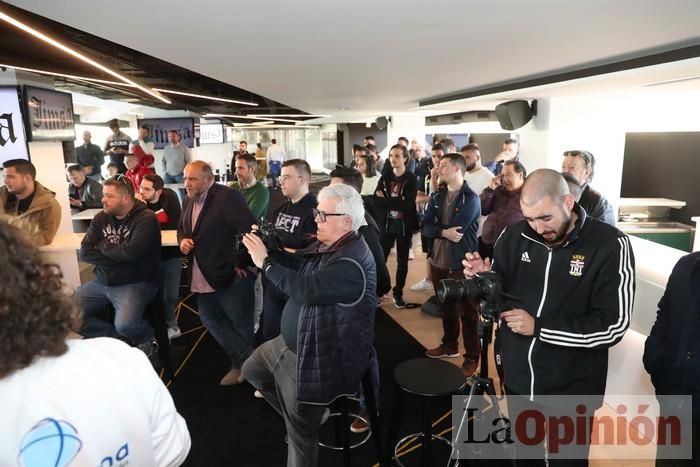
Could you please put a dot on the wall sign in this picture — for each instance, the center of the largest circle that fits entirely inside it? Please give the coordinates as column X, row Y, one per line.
column 159, row 128
column 13, row 144
column 49, row 115
column 211, row 133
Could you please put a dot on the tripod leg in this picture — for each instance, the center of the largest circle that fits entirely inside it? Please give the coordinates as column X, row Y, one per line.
column 475, row 391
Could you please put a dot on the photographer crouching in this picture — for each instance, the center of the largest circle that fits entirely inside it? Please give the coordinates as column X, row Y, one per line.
column 327, row 326
column 574, row 277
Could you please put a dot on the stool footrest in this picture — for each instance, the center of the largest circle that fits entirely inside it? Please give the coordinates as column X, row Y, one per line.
column 359, row 443
column 416, row 436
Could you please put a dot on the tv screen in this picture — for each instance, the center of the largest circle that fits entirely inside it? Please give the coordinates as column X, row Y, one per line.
column 13, row 143
column 211, row 133
column 49, row 115
column 159, row 127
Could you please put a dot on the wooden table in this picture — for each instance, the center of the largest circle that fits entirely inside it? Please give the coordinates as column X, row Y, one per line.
column 71, row 241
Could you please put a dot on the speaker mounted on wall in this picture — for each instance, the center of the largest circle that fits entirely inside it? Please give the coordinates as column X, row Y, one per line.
column 514, row 114
column 382, row 122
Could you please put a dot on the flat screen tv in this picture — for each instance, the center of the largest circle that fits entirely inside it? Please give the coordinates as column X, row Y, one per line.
column 13, row 143
column 159, row 128
column 211, row 133
column 49, row 115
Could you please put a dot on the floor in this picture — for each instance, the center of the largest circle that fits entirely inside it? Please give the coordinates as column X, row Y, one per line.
column 428, row 331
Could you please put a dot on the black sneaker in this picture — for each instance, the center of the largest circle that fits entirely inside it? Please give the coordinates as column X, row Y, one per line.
column 398, row 301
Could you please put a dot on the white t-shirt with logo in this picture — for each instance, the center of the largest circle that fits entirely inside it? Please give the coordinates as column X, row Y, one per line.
column 100, row 403
column 477, row 181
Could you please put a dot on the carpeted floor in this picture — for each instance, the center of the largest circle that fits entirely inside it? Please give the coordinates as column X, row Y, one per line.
column 229, row 427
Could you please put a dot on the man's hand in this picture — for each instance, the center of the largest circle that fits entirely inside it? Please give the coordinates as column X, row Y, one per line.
column 186, row 245
column 519, row 321
column 496, row 181
column 501, row 157
column 474, row 264
column 88, row 169
column 240, row 272
column 453, row 234
column 256, row 248
column 379, row 194
column 75, row 202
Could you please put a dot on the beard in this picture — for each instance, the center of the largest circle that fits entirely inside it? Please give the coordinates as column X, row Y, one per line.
column 471, row 166
column 556, row 237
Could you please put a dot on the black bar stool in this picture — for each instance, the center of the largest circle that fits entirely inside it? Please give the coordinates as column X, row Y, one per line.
column 426, row 379
column 342, row 415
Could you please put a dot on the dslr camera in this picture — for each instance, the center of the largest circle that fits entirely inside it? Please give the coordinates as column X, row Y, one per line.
column 267, row 233
column 485, row 287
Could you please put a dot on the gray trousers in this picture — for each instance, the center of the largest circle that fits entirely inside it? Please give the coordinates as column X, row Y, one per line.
column 272, row 370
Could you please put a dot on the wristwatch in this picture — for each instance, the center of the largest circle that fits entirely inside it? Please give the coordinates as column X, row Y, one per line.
column 267, row 262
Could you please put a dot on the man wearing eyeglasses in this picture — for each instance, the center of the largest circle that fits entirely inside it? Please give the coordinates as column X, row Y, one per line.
column 581, row 165
column 327, row 322
column 123, row 242
column 213, row 216
column 296, row 229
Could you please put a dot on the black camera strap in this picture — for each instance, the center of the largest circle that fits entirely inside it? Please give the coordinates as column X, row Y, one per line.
column 498, row 360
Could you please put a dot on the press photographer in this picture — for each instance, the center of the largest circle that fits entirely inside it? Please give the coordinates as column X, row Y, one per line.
column 574, row 277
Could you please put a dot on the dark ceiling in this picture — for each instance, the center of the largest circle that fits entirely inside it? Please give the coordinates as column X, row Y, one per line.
column 18, row 48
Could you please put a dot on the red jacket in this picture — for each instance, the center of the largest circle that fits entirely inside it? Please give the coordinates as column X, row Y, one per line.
column 136, row 175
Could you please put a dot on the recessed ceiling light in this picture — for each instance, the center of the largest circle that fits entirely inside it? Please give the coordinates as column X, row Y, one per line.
column 39, row 35
column 254, row 123
column 670, row 81
column 64, row 75
column 200, row 96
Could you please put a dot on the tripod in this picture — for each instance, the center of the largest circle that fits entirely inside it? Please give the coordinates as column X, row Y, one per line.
column 482, row 385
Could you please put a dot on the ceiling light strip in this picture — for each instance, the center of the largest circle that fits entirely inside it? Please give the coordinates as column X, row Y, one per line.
column 64, row 75
column 244, row 117
column 200, row 96
column 288, row 115
column 78, row 55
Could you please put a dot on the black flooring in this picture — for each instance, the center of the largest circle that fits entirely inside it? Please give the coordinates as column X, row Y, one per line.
column 229, row 427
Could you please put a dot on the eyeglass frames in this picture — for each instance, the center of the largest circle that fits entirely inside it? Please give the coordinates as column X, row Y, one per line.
column 322, row 214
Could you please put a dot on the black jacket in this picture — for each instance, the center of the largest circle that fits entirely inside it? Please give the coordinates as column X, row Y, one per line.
column 371, row 233
column 596, row 205
column 90, row 194
column 581, row 295
column 126, row 251
column 335, row 330
column 224, row 215
column 168, row 211
column 467, row 210
column 672, row 350
column 405, row 202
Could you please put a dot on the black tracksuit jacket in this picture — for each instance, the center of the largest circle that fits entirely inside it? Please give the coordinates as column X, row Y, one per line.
column 581, row 295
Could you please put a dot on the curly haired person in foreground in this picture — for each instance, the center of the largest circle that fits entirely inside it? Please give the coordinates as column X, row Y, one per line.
column 59, row 393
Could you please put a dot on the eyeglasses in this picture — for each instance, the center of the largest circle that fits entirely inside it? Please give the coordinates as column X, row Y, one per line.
column 286, row 178
column 322, row 214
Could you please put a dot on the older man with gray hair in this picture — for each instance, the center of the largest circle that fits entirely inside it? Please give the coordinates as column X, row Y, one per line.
column 327, row 326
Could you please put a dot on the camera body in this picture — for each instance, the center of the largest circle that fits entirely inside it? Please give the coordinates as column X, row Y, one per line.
column 485, row 287
column 267, row 233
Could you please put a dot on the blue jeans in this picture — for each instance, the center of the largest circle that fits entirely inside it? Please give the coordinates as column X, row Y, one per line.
column 274, row 168
column 228, row 315
column 171, row 269
column 129, row 303
column 179, row 178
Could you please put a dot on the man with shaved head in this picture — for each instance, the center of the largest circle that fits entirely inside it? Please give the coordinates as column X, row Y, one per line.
column 573, row 277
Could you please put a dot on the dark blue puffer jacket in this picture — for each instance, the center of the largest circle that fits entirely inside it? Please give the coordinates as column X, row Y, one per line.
column 334, row 339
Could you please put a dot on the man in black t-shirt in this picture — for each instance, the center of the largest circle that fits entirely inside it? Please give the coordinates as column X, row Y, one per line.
column 166, row 205
column 296, row 229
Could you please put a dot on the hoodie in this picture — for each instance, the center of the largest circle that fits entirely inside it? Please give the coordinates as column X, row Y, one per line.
column 124, row 251
column 40, row 220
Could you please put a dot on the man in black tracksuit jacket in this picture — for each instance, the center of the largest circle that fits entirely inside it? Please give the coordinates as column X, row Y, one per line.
column 574, row 277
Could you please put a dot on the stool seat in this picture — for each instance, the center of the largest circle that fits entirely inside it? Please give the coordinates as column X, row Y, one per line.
column 429, row 377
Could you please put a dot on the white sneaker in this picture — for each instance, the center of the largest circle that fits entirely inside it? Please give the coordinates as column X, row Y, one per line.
column 257, row 394
column 424, row 284
column 174, row 332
